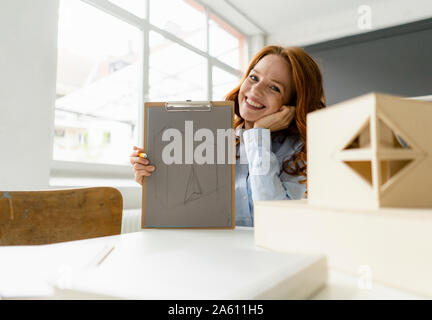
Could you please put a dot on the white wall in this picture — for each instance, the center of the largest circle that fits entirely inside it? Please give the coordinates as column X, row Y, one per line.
column 304, row 22
column 28, row 41
column 309, row 22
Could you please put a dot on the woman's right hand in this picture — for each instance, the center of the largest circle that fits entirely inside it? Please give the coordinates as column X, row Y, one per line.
column 140, row 165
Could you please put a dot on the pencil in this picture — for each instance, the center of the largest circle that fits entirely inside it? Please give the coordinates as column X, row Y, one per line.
column 142, row 155
column 105, row 256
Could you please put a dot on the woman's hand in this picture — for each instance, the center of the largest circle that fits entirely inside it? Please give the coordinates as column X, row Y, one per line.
column 140, row 165
column 278, row 120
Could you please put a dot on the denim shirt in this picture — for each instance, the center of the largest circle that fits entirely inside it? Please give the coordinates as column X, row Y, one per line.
column 272, row 183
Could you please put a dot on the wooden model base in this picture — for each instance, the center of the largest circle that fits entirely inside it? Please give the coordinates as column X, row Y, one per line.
column 395, row 245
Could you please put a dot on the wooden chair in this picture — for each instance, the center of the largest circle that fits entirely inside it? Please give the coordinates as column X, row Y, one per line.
column 50, row 216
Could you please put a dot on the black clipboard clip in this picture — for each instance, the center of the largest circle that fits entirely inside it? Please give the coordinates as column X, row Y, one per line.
column 188, row 105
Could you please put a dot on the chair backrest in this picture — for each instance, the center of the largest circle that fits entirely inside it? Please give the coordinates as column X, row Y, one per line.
column 50, row 216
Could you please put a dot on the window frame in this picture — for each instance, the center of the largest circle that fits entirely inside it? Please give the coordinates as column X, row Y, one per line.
column 60, row 168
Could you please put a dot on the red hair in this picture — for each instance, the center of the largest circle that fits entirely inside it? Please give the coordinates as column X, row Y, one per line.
column 308, row 95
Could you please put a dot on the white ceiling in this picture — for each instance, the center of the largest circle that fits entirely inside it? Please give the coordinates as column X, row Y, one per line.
column 301, row 22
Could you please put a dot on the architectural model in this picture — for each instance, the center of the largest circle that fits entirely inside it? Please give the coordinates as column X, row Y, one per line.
column 370, row 152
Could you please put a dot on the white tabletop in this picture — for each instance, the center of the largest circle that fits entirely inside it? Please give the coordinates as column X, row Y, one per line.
column 161, row 264
column 174, row 264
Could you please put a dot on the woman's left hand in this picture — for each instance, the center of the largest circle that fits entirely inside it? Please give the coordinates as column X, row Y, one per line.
column 278, row 120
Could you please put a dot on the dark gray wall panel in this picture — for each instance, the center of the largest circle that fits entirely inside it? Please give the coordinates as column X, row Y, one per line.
column 395, row 60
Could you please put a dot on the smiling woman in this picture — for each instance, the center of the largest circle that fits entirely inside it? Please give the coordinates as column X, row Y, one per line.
column 278, row 89
column 267, row 87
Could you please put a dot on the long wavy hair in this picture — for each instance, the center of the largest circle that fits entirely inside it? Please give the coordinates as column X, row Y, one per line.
column 308, row 95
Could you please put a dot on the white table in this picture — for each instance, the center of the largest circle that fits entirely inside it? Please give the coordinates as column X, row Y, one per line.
column 203, row 264
column 340, row 285
column 161, row 264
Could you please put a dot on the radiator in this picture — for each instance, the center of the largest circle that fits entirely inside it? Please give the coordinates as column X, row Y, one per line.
column 131, row 220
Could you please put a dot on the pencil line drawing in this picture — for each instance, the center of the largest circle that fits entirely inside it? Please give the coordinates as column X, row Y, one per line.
column 193, row 188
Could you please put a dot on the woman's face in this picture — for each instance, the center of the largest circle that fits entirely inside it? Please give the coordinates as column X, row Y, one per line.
column 267, row 88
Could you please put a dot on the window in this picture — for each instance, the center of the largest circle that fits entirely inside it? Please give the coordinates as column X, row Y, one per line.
column 175, row 72
column 110, row 61
column 98, row 72
column 223, row 82
column 184, row 19
column 227, row 44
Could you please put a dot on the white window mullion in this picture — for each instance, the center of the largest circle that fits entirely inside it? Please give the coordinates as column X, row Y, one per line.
column 226, row 67
column 117, row 12
column 76, row 169
column 209, row 64
column 176, row 39
column 145, row 75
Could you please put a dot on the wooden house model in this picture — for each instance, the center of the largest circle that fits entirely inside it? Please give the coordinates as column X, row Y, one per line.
column 370, row 152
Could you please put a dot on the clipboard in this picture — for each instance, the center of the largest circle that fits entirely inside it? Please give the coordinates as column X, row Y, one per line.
column 181, row 193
